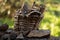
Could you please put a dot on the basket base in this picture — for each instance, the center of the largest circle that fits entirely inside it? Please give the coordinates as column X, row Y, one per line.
column 38, row 35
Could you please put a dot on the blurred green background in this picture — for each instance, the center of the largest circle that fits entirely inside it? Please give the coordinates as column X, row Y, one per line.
column 51, row 20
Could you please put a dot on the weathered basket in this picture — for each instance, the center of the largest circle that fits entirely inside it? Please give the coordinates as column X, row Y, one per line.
column 28, row 22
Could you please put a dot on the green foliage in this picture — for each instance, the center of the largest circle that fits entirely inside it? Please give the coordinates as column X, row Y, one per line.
column 51, row 20
column 8, row 21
